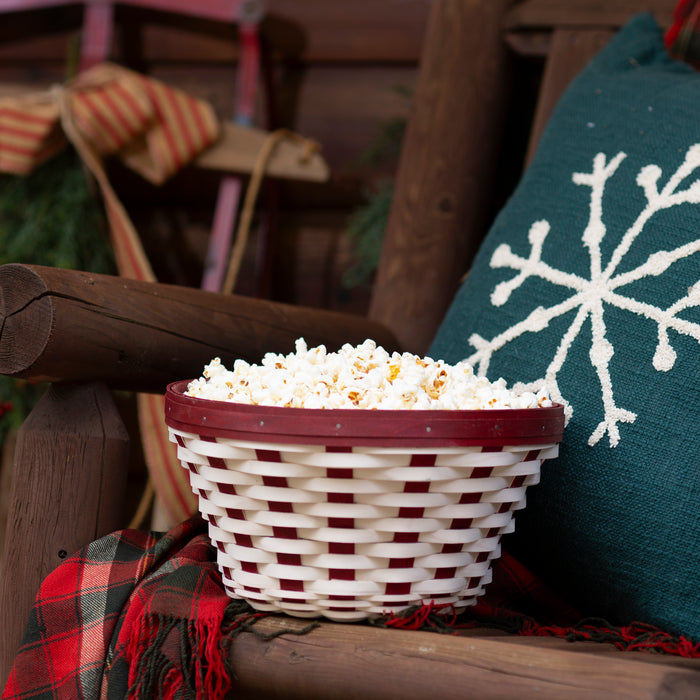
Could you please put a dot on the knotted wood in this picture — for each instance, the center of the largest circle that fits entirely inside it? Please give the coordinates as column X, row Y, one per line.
column 65, row 325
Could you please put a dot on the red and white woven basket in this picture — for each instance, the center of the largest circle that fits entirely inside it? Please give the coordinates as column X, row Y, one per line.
column 348, row 514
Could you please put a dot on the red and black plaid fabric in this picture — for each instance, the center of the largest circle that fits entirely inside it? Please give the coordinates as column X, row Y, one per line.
column 130, row 615
column 140, row 615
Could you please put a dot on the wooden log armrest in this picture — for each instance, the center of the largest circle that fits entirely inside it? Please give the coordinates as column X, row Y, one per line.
column 63, row 325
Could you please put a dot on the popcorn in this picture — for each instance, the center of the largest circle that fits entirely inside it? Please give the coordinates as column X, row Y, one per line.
column 366, row 376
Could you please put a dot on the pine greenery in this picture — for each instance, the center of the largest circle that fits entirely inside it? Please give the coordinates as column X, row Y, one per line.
column 49, row 217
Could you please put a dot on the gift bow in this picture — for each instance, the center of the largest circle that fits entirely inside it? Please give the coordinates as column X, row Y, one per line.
column 155, row 129
column 116, row 111
column 109, row 110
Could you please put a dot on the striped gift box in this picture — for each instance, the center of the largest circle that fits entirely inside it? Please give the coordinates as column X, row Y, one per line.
column 348, row 514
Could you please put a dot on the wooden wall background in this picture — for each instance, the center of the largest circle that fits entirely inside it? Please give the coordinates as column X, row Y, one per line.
column 338, row 71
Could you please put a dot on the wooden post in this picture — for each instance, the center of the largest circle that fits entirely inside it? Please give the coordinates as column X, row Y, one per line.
column 447, row 163
column 67, row 490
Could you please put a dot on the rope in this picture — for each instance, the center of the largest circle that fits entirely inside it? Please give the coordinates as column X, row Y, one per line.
column 256, row 177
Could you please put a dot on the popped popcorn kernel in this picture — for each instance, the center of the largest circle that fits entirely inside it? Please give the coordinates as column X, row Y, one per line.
column 365, row 377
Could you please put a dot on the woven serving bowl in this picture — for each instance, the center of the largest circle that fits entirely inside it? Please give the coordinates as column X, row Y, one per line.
column 349, row 513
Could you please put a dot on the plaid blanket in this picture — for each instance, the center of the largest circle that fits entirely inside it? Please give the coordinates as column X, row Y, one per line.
column 141, row 615
column 133, row 614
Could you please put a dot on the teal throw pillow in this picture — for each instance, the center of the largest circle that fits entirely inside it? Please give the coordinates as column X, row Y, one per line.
column 589, row 281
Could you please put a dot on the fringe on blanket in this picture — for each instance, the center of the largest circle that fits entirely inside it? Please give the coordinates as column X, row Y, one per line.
column 631, row 637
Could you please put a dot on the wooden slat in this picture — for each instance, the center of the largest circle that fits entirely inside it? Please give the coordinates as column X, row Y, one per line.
column 310, row 31
column 238, row 149
column 67, row 490
column 446, row 169
column 571, row 50
column 357, row 662
column 315, row 31
column 65, row 325
column 529, row 14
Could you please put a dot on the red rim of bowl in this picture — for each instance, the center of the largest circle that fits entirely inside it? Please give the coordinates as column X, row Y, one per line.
column 348, row 427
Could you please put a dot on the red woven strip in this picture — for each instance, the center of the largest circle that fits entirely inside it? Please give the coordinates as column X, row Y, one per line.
column 285, row 533
column 406, row 512
column 343, row 523
column 292, row 585
column 341, row 498
column 406, row 537
column 451, row 548
column 338, row 473
column 401, row 563
column 289, row 559
column 217, row 462
column 341, row 548
column 423, row 460
column 446, row 572
column 280, row 507
column 461, row 523
column 416, row 487
column 277, row 481
column 341, row 574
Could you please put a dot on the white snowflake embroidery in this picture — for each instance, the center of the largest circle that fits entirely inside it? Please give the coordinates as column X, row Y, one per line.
column 591, row 295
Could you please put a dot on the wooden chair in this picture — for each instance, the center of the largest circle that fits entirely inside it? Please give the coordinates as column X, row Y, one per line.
column 88, row 334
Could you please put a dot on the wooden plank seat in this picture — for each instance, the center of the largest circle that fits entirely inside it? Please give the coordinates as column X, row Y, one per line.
column 88, row 333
